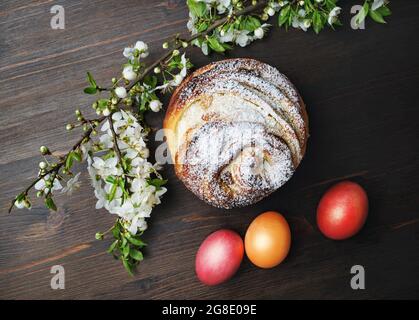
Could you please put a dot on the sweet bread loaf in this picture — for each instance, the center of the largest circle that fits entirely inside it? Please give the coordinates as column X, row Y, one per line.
column 236, row 130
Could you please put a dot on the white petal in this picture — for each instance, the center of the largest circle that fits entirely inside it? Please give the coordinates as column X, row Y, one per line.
column 111, row 162
column 121, row 92
column 40, row 184
column 128, row 52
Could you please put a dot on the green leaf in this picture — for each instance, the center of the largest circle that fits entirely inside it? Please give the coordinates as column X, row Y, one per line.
column 284, row 15
column 111, row 195
column 110, row 179
column 102, row 103
column 136, row 242
column 318, row 22
column 250, row 23
column 125, row 250
column 77, row 156
column 124, row 242
column 90, row 90
column 49, row 203
column 127, row 266
column 202, row 27
column 116, row 231
column 136, row 255
column 158, row 183
column 69, row 160
column 150, row 81
column 362, row 14
column 91, row 80
column 112, row 246
column 215, row 45
column 384, row 11
column 376, row 16
column 20, row 197
column 198, row 8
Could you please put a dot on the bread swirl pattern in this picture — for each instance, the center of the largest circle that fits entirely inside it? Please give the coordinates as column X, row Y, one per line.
column 236, row 130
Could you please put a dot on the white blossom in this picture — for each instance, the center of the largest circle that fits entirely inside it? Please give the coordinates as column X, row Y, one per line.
column 134, row 204
column 223, row 6
column 204, row 48
column 106, row 112
column 184, row 63
column 260, row 32
column 41, row 184
column 140, row 47
column 72, row 185
column 85, row 149
column 106, row 167
column 243, row 38
column 333, row 15
column 155, row 105
column 191, row 23
column 128, row 73
column 226, row 36
column 121, row 92
column 377, row 4
column 20, row 204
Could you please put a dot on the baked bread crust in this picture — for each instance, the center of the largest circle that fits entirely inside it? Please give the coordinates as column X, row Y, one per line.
column 236, row 130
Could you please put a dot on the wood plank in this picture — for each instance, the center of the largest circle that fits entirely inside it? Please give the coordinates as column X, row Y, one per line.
column 361, row 91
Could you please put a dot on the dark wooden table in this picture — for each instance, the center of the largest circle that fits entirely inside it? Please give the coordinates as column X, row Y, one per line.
column 361, row 90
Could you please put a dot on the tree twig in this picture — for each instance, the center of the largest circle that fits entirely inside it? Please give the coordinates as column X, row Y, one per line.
column 56, row 168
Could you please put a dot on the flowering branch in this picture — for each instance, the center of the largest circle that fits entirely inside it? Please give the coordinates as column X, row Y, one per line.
column 54, row 170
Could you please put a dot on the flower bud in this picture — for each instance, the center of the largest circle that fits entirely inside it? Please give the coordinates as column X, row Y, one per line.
column 114, row 100
column 145, row 153
column 128, row 101
column 175, row 52
column 157, row 70
column 99, row 236
column 69, row 126
column 27, row 204
column 121, row 92
column 259, row 33
column 114, row 80
column 128, row 73
column 106, row 112
column 94, row 105
column 40, row 193
column 155, row 105
column 165, row 45
column 78, row 112
column 44, row 150
column 184, row 44
column 43, row 165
